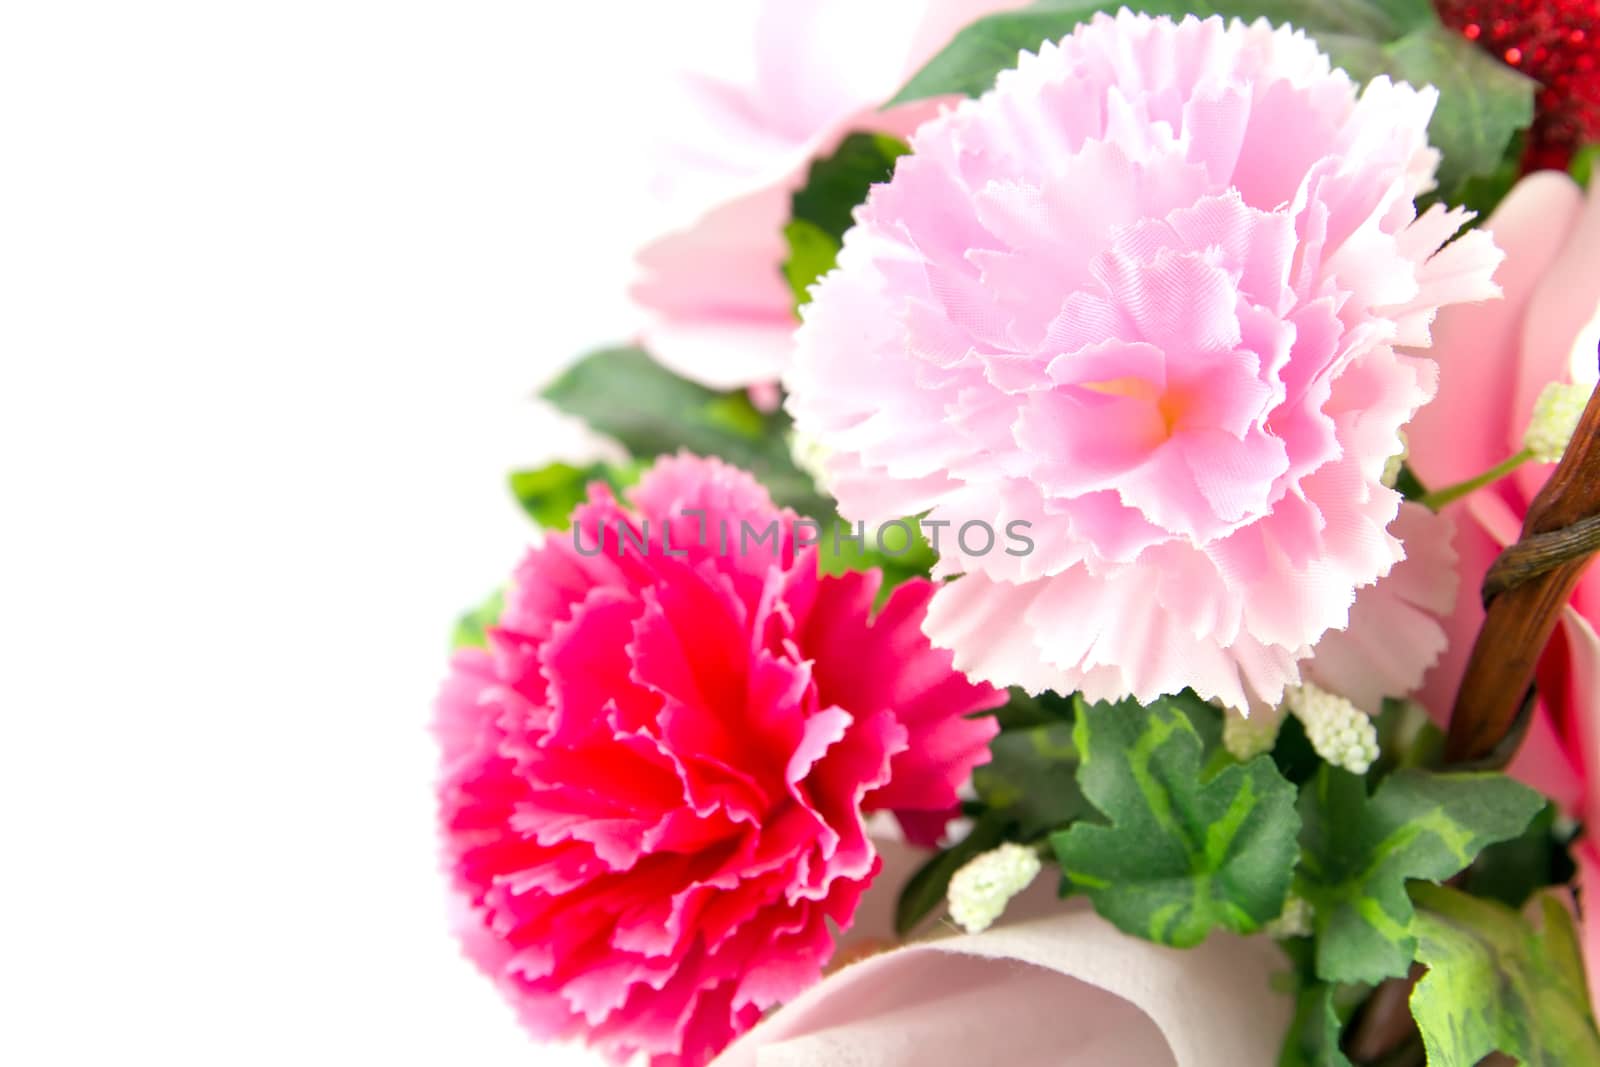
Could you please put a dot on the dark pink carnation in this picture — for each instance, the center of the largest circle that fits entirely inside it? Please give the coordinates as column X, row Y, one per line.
column 655, row 776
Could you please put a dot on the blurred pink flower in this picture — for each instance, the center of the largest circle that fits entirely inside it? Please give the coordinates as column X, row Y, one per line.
column 715, row 303
column 1494, row 361
column 1145, row 296
column 655, row 776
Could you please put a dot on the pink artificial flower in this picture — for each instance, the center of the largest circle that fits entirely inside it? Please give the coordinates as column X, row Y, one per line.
column 711, row 289
column 655, row 776
column 1396, row 629
column 1494, row 361
column 1144, row 295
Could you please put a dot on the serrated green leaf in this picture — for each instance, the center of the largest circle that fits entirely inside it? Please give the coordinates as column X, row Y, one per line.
column 1482, row 104
column 1182, row 854
column 471, row 626
column 1495, row 984
column 650, row 411
column 1032, row 778
column 925, row 890
column 1512, row 871
column 1360, row 851
column 823, row 209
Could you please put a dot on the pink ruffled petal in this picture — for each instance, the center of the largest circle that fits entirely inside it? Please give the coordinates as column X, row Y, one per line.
column 655, row 780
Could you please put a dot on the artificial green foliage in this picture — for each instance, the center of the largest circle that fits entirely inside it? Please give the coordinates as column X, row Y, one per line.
column 1032, row 778
column 1313, row 1039
column 925, row 890
column 650, row 411
column 471, row 627
column 1512, row 871
column 1495, row 983
column 1182, row 852
column 1024, row 710
column 898, row 558
column 823, row 208
column 1584, row 163
column 1359, row 852
column 812, row 253
column 549, row 493
column 1482, row 104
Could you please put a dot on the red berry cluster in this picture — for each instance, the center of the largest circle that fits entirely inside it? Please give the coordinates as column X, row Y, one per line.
column 1555, row 42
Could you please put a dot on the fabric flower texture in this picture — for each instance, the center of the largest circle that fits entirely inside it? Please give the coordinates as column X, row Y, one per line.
column 655, row 775
column 710, row 289
column 1146, row 294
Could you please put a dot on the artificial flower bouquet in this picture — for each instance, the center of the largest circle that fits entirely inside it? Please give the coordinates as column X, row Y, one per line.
column 1093, row 570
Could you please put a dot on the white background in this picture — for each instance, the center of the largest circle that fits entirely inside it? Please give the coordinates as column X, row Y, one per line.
column 275, row 282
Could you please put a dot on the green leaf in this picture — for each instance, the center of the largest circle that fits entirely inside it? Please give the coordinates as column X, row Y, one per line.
column 812, row 253
column 1024, row 710
column 887, row 548
column 836, row 184
column 1359, row 852
column 1495, row 984
column 1512, row 871
column 969, row 63
column 1584, row 164
column 1482, row 193
column 1032, row 778
column 823, row 209
column 1182, row 854
column 926, row 889
column 1482, row 102
column 470, row 627
column 650, row 411
column 1313, row 1038
column 549, row 493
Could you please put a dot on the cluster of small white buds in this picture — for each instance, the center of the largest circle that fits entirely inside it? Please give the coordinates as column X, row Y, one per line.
column 981, row 889
column 1556, row 415
column 1246, row 737
column 1341, row 733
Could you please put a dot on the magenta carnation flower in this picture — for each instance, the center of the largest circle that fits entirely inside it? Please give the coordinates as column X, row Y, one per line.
column 655, row 776
column 1146, row 294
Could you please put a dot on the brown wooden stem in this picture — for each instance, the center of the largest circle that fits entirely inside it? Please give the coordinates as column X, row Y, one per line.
column 1524, row 593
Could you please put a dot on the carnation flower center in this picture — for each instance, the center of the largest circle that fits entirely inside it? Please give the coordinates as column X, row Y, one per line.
column 1168, row 406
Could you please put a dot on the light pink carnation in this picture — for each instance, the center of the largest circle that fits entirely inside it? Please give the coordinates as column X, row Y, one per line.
column 1396, row 631
column 1145, row 294
column 655, row 776
column 711, row 290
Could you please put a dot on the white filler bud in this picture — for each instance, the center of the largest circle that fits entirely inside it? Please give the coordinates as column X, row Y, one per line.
column 980, row 890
